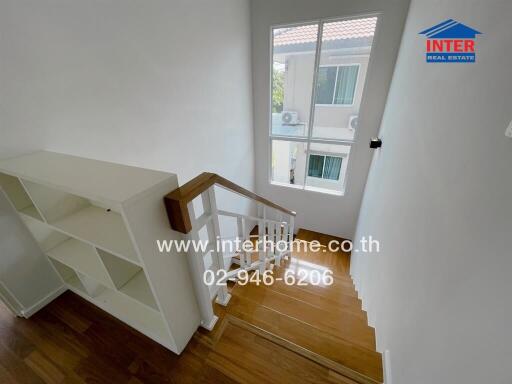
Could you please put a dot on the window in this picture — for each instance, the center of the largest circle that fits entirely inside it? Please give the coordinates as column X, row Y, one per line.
column 336, row 85
column 324, row 167
column 314, row 67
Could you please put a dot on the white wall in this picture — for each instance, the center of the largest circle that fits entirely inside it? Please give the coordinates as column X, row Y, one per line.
column 163, row 84
column 437, row 198
column 321, row 212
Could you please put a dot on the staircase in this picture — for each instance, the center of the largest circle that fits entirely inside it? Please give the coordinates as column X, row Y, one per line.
column 317, row 332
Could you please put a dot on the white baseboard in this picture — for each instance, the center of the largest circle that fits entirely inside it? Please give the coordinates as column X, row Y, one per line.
column 9, row 299
column 27, row 312
column 386, row 363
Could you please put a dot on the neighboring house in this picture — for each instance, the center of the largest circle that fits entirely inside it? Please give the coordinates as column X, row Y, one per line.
column 343, row 63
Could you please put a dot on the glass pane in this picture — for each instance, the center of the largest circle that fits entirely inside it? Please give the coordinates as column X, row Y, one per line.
column 332, row 168
column 346, row 45
column 316, row 165
column 325, row 85
column 288, row 162
column 334, row 161
column 293, row 67
column 346, row 84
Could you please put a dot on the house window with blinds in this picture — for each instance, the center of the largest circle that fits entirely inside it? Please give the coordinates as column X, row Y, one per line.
column 336, row 85
column 324, row 167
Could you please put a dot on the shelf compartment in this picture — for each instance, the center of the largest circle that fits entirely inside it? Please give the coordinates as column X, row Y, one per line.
column 31, row 211
column 128, row 278
column 101, row 228
column 46, row 236
column 92, row 287
column 82, row 258
column 138, row 289
column 137, row 315
column 84, row 219
column 69, row 276
column 120, row 270
column 142, row 318
column 19, row 197
column 75, row 284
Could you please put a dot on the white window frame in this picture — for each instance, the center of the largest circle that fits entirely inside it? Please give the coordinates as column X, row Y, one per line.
column 326, row 154
column 309, row 139
column 358, row 65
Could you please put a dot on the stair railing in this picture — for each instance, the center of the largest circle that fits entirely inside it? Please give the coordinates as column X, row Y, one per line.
column 275, row 226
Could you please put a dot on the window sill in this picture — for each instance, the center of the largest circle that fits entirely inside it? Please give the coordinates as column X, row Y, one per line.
column 291, row 186
column 335, row 105
column 309, row 189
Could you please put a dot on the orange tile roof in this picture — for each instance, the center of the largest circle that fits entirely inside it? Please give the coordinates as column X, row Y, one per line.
column 338, row 30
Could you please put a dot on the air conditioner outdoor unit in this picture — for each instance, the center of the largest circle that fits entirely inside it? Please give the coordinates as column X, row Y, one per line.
column 353, row 121
column 290, row 117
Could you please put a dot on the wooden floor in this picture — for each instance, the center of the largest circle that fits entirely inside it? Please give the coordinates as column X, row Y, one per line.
column 276, row 334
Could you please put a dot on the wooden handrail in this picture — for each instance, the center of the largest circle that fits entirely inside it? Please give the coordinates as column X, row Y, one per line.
column 176, row 201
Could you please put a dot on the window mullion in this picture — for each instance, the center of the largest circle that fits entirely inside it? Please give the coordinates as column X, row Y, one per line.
column 313, row 94
column 335, row 85
column 298, row 139
column 332, row 141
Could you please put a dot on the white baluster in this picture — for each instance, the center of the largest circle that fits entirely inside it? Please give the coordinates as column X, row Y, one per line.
column 261, row 230
column 210, row 206
column 262, row 235
column 282, row 238
column 240, row 235
column 272, row 239
column 291, row 229
column 279, row 227
column 197, row 269
column 247, row 236
column 275, row 236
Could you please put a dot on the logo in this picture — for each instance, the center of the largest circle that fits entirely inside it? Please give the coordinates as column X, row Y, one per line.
column 450, row 42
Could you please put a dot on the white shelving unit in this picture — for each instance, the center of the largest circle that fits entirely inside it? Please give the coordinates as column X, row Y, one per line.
column 98, row 223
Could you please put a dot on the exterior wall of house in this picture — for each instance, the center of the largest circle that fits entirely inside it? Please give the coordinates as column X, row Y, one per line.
column 282, row 154
column 298, row 81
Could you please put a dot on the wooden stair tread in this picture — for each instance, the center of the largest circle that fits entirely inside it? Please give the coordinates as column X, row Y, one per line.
column 340, row 352
column 308, row 235
column 248, row 354
column 335, row 292
column 340, row 286
column 325, row 258
column 338, row 261
column 298, row 259
column 345, row 304
column 346, row 325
